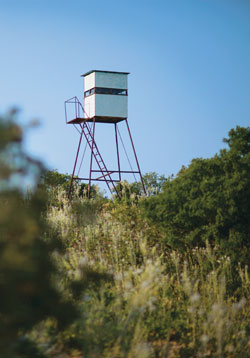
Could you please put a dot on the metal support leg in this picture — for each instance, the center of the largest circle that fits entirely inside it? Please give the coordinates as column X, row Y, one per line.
column 143, row 186
column 117, row 150
column 91, row 158
column 78, row 149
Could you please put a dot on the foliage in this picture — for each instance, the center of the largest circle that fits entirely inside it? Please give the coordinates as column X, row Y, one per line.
column 28, row 274
column 52, row 181
column 209, row 200
column 163, row 303
column 153, row 184
column 94, row 278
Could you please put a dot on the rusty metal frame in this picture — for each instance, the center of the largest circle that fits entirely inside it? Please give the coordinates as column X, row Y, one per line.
column 91, row 158
column 138, row 166
column 117, row 152
column 82, row 120
column 77, row 154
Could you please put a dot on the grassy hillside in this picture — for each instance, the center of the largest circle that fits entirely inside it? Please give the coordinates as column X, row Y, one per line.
column 162, row 276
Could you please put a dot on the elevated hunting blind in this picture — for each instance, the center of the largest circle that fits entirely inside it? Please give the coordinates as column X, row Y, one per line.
column 105, row 101
column 106, row 96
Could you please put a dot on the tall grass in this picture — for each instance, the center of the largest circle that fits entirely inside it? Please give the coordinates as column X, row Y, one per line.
column 160, row 303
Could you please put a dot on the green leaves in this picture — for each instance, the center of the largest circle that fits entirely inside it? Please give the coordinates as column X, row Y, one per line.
column 209, row 200
column 28, row 294
column 94, row 278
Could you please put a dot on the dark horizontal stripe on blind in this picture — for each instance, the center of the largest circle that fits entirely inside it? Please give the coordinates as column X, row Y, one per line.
column 104, row 90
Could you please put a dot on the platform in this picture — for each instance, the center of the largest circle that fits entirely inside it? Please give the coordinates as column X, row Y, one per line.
column 97, row 119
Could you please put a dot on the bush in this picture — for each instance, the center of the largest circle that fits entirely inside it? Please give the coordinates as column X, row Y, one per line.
column 209, row 200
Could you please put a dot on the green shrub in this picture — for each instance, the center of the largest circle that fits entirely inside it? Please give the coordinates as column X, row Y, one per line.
column 93, row 278
column 209, row 200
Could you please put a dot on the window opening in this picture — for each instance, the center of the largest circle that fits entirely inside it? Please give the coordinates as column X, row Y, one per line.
column 101, row 90
column 104, row 90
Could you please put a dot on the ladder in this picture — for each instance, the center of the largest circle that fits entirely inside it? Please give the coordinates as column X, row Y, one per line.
column 106, row 175
column 81, row 120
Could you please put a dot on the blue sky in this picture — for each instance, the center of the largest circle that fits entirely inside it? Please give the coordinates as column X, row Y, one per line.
column 188, row 59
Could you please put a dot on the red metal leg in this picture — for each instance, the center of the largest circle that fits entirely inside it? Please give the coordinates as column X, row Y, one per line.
column 91, row 158
column 136, row 158
column 78, row 149
column 117, row 150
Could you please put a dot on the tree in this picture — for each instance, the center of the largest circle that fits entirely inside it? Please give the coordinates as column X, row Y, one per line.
column 209, row 200
column 53, row 180
column 154, row 183
column 28, row 294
